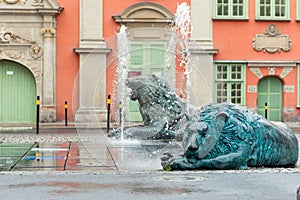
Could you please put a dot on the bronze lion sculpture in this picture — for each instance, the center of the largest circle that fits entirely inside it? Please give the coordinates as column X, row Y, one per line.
column 161, row 109
column 217, row 136
column 228, row 136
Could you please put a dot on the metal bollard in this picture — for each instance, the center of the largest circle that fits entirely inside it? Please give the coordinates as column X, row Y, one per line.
column 298, row 193
column 38, row 153
column 38, row 102
column 66, row 113
column 266, row 110
column 120, row 111
column 108, row 113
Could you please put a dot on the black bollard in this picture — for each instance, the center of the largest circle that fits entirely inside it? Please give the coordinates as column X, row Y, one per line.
column 298, row 193
column 66, row 113
column 38, row 102
column 108, row 113
column 266, row 110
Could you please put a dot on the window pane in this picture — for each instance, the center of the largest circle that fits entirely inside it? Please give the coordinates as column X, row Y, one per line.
column 222, row 72
column 229, row 88
column 136, row 55
column 268, row 11
column 241, row 11
column 221, row 92
column 236, row 93
column 273, row 8
column 236, row 72
column 222, row 7
column 238, row 8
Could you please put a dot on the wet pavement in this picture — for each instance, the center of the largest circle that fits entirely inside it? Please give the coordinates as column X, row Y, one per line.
column 86, row 164
column 84, row 150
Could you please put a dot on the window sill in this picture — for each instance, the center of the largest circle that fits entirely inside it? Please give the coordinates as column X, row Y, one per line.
column 230, row 19
column 270, row 19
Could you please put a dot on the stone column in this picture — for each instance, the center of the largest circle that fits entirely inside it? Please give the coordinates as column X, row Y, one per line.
column 92, row 73
column 201, row 53
column 48, row 105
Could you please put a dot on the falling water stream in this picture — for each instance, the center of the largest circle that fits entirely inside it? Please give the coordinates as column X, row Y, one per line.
column 122, row 71
column 178, row 45
column 181, row 28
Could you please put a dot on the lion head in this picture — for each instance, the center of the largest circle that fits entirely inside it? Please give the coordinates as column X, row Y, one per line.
column 218, row 129
column 156, row 100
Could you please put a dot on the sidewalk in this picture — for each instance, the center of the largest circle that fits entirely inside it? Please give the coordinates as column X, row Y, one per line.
column 61, row 125
column 90, row 125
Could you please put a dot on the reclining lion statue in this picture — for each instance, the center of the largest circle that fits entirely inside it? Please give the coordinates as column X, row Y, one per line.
column 228, row 136
column 217, row 136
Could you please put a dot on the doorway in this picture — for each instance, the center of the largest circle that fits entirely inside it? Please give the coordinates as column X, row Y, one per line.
column 146, row 57
column 17, row 93
column 270, row 92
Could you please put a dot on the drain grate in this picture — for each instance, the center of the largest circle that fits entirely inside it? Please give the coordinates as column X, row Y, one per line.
column 179, row 178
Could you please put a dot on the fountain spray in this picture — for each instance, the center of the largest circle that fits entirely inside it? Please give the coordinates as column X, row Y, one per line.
column 122, row 70
column 182, row 29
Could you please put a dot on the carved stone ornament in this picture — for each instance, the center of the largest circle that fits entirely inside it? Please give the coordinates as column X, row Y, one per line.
column 256, row 71
column 48, row 32
column 272, row 41
column 9, row 37
column 285, row 71
column 36, row 51
column 36, row 2
column 13, row 1
column 6, row 36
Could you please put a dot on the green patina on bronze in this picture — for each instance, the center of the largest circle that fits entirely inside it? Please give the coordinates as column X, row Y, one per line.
column 228, row 136
column 217, row 136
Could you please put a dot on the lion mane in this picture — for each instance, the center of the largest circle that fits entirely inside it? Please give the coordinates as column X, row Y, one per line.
column 240, row 126
column 153, row 92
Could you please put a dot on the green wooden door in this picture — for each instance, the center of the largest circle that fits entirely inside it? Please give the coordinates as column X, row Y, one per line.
column 146, row 57
column 270, row 92
column 17, row 93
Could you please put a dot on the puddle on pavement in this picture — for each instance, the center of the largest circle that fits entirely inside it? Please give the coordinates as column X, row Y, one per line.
column 30, row 156
column 79, row 156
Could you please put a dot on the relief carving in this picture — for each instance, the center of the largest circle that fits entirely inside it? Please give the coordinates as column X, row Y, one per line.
column 271, row 71
column 48, row 32
column 10, row 37
column 36, row 51
column 285, row 71
column 36, row 70
column 272, row 41
column 13, row 1
column 256, row 71
column 36, row 2
column 14, row 55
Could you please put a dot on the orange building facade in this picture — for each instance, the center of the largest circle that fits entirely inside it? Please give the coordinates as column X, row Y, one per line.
column 261, row 37
column 89, row 46
column 240, row 51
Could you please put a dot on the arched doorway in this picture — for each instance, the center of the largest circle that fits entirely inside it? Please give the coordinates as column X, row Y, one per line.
column 17, row 93
column 270, row 92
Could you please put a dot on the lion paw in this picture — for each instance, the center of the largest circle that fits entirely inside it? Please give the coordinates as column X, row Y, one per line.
column 166, row 161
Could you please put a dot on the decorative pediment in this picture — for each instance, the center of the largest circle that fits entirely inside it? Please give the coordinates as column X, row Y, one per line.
column 272, row 41
column 145, row 12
